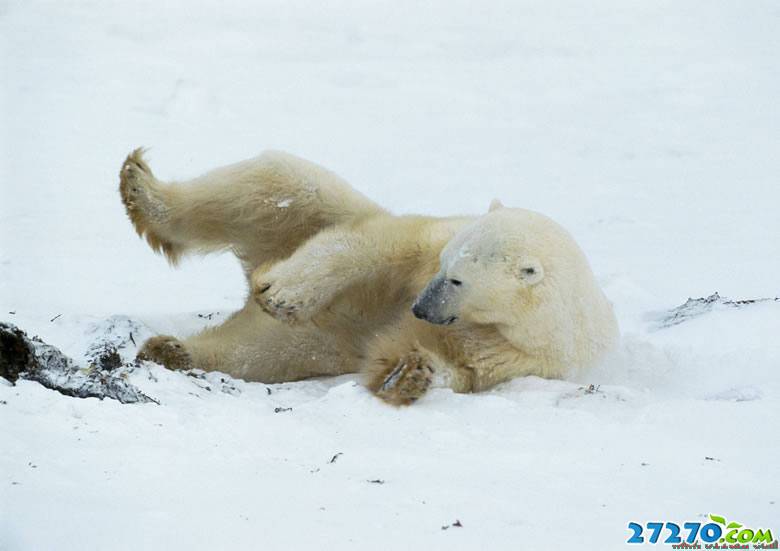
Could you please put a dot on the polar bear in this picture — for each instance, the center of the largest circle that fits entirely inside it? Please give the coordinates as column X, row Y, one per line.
column 339, row 285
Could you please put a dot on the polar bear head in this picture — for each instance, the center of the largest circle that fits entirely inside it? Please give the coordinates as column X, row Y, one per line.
column 518, row 270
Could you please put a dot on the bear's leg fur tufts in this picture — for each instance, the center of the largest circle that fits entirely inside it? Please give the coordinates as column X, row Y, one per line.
column 145, row 203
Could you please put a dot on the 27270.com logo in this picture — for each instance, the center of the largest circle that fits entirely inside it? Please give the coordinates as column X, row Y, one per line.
column 714, row 535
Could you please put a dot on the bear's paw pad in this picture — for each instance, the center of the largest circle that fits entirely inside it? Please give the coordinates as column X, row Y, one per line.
column 408, row 381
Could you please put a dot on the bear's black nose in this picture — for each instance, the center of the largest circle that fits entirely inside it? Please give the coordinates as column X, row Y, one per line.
column 419, row 312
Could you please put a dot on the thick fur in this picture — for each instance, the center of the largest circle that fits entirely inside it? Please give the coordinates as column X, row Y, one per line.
column 333, row 278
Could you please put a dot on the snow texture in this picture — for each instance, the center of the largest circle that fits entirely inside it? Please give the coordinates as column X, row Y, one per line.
column 695, row 307
column 33, row 360
column 650, row 130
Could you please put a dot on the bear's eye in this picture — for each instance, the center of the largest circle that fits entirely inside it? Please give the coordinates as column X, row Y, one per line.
column 529, row 271
column 456, row 282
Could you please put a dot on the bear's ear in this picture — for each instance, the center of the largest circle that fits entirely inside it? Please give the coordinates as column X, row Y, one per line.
column 531, row 270
column 495, row 204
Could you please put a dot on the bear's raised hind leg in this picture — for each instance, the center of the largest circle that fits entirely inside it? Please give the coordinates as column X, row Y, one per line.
column 262, row 209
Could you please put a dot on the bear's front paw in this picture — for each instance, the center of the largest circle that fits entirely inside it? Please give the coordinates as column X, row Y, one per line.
column 167, row 351
column 291, row 304
column 407, row 381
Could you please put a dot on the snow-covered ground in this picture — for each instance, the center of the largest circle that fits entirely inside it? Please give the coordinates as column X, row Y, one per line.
column 651, row 130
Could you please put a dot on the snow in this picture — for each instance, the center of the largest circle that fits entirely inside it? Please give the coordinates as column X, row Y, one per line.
column 647, row 129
